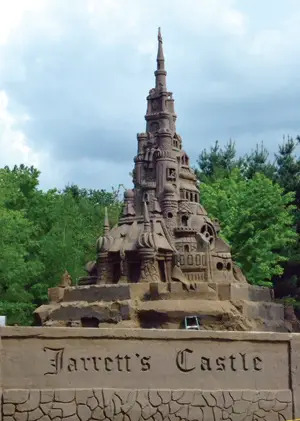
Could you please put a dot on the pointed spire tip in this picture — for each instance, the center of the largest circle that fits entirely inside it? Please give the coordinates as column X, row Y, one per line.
column 159, row 35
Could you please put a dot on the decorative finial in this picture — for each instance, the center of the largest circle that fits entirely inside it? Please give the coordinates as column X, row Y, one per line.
column 160, row 53
column 106, row 222
column 159, row 35
column 66, row 280
column 160, row 73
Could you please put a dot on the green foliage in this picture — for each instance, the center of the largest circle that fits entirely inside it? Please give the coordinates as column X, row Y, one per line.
column 256, row 218
column 70, row 241
column 258, row 162
column 217, row 162
column 19, row 313
column 42, row 234
column 284, row 169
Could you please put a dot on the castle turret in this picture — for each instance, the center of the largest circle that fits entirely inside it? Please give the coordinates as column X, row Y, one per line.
column 103, row 245
column 146, row 246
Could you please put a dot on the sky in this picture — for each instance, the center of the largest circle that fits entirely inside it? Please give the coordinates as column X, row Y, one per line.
column 74, row 76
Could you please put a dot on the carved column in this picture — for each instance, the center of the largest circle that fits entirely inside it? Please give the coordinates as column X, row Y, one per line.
column 102, row 267
column 168, row 266
column 149, row 267
column 124, row 279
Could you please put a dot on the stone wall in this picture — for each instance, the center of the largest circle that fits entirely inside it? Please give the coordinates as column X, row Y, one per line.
column 130, row 375
column 152, row 405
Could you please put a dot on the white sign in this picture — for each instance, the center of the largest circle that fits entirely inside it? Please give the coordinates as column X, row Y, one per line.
column 2, row 320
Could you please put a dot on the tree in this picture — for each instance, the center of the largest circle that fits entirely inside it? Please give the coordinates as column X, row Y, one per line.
column 258, row 161
column 288, row 176
column 76, row 221
column 256, row 218
column 17, row 270
column 288, row 168
column 42, row 234
column 217, row 162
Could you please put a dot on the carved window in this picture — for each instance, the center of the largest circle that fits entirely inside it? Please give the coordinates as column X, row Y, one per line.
column 146, row 197
column 220, row 266
column 155, row 105
column 176, row 143
column 149, row 174
column 185, row 160
column 154, row 126
column 171, row 174
column 184, row 220
column 186, row 248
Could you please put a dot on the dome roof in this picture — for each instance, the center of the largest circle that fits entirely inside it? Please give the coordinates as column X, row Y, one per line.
column 129, row 194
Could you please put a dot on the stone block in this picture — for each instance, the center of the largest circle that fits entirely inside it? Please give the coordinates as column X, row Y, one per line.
column 68, row 409
column 45, row 407
column 64, row 395
column 94, row 293
column 82, row 395
column 204, row 291
column 35, row 415
column 154, row 290
column 15, row 396
column 125, row 312
column 213, row 285
column 47, row 396
column 98, row 414
column 56, row 294
column 8, row 409
column 103, row 312
column 239, row 292
column 224, row 291
column 202, row 287
column 263, row 310
column 257, row 293
column 23, row 416
column 32, row 403
column 92, row 403
column 175, row 287
column 139, row 290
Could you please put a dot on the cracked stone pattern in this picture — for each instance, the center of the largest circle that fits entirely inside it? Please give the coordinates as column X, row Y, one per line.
column 144, row 405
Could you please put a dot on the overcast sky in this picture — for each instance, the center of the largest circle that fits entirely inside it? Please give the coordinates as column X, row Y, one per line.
column 74, row 75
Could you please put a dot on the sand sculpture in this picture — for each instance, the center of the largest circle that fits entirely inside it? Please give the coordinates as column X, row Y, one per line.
column 165, row 259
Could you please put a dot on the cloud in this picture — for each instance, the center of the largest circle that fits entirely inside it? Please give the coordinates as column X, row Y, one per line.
column 13, row 142
column 80, row 72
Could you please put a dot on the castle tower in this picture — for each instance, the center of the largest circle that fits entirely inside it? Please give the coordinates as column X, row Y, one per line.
column 165, row 193
column 162, row 223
